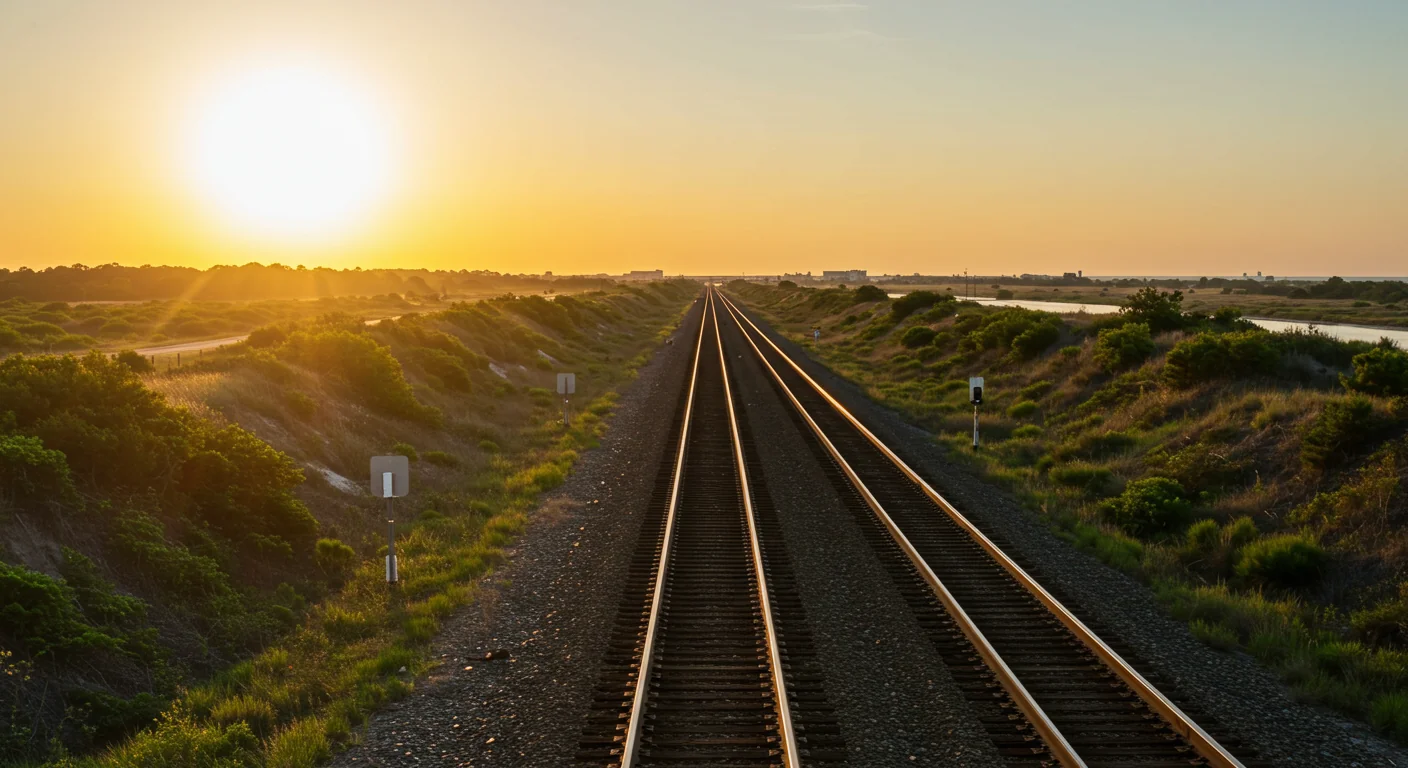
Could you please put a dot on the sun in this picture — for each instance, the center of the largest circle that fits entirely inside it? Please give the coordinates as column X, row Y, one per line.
column 290, row 151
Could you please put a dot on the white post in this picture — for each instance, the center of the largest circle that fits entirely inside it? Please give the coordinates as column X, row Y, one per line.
column 975, row 427
column 386, row 491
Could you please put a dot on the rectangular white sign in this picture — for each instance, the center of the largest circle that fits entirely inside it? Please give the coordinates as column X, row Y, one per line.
column 566, row 383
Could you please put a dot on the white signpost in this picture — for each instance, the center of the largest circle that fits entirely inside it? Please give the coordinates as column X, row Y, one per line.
column 566, row 386
column 816, row 335
column 391, row 477
column 975, row 396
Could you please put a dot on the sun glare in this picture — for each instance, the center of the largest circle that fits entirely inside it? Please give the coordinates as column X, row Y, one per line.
column 290, row 152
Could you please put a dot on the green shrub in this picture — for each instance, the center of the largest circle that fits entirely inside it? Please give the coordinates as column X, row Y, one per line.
column 441, row 459
column 869, row 293
column 1027, row 431
column 1204, row 536
column 1385, row 623
column 1342, row 424
column 364, row 366
column 916, row 337
column 334, row 557
column 489, row 446
column 1081, row 475
column 1022, row 410
column 178, row 740
column 1149, row 507
column 405, row 449
column 1035, row 340
column 30, row 471
column 1289, row 560
column 302, row 405
column 1070, row 352
column 138, row 363
column 1215, row 635
column 1123, row 347
column 255, row 712
column 1389, row 715
column 41, row 616
column 913, row 301
column 1035, row 390
column 302, row 744
column 1239, row 533
column 1003, row 294
column 1210, row 356
column 1379, row 371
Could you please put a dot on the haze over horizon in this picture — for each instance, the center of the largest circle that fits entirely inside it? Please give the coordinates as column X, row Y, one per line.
column 736, row 136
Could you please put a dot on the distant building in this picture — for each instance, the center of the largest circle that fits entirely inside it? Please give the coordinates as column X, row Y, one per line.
column 645, row 274
column 1069, row 275
column 844, row 275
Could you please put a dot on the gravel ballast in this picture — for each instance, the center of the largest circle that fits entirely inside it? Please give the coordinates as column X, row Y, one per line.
column 546, row 613
column 894, row 697
column 1243, row 696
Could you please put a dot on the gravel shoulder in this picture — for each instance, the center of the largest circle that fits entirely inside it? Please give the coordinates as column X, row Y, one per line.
column 1243, row 696
column 549, row 608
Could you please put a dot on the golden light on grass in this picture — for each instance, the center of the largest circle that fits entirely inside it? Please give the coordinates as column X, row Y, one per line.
column 290, row 151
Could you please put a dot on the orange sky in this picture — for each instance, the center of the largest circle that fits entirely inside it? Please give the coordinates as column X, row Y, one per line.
column 745, row 136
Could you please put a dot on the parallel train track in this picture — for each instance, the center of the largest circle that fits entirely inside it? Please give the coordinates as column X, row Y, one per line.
column 710, row 663
column 1047, row 688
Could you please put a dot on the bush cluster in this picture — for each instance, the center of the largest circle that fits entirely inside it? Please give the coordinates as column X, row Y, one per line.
column 1153, row 506
column 1122, row 347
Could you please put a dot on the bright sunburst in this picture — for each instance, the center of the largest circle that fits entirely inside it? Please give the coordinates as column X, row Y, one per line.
column 290, row 152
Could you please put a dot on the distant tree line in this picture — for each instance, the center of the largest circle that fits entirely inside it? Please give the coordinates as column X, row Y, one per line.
column 253, row 281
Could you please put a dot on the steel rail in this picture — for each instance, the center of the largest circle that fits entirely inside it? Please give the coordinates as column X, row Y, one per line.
column 630, row 752
column 1055, row 742
column 1203, row 743
column 790, row 752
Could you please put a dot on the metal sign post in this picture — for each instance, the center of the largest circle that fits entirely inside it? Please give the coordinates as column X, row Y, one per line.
column 816, row 335
column 391, row 477
column 566, row 385
column 975, row 396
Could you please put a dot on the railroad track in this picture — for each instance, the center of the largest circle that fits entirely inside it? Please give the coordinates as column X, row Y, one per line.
column 1046, row 687
column 710, row 662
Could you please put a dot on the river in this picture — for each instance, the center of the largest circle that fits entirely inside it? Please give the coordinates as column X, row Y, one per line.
column 1341, row 331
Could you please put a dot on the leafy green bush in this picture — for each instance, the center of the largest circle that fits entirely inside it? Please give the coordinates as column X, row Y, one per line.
column 1081, row 475
column 1342, row 424
column 1035, row 340
column 1239, row 533
column 1003, row 294
column 364, row 366
column 1204, row 536
column 489, row 446
column 1027, row 431
column 447, row 368
column 28, row 470
column 41, row 616
column 1210, row 356
column 441, row 459
column 138, row 363
column 870, row 293
column 1288, row 560
column 914, row 301
column 334, row 557
column 1070, row 352
column 916, row 337
column 405, row 449
column 1035, row 390
column 1123, row 347
column 1022, row 409
column 1379, row 371
column 1149, row 507
column 1389, row 715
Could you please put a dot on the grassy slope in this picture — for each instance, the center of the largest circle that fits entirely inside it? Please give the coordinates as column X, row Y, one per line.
column 333, row 646
column 1283, row 531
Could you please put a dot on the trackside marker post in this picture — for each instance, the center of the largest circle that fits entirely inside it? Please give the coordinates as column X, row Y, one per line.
column 390, row 477
column 566, row 386
column 975, row 396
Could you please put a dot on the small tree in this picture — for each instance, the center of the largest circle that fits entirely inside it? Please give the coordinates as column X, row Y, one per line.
column 1160, row 310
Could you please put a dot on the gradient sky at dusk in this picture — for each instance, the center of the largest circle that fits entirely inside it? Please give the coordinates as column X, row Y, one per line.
column 1114, row 136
